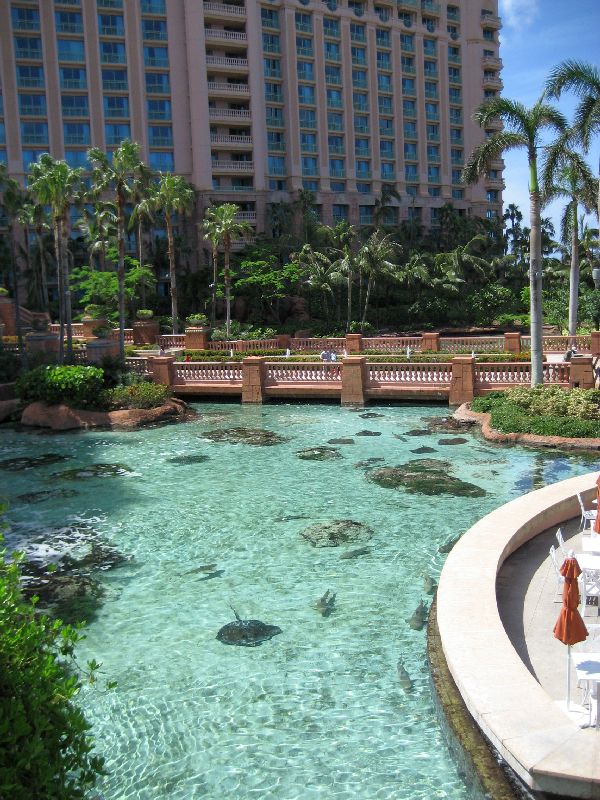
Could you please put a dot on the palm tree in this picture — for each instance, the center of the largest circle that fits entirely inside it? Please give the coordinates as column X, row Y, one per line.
column 513, row 232
column 118, row 175
column 342, row 237
column 321, row 274
column 211, row 230
column 225, row 228
column 33, row 215
column 523, row 129
column 583, row 79
column 383, row 202
column 13, row 200
column 374, row 260
column 172, row 195
column 56, row 184
column 566, row 175
column 141, row 216
column 98, row 228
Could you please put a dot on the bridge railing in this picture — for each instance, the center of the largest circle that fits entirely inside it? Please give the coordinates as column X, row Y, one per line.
column 297, row 372
column 388, row 344
column 466, row 344
column 411, row 374
column 559, row 344
column 504, row 376
column 187, row 372
column 315, row 344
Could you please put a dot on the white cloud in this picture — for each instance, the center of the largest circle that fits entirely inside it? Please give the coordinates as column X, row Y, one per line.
column 519, row 13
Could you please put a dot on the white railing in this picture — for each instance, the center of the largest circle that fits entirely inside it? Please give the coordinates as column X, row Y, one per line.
column 231, row 36
column 139, row 365
column 233, row 166
column 392, row 344
column 229, row 113
column 171, row 340
column 77, row 329
column 316, row 345
column 221, row 86
column 243, row 345
column 247, row 216
column 478, row 344
column 438, row 374
column 515, row 374
column 207, row 372
column 225, row 8
column 128, row 335
column 295, row 372
column 225, row 61
column 230, row 140
column 558, row 344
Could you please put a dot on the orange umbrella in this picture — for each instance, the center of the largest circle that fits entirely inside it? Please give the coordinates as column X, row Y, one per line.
column 597, row 520
column 570, row 628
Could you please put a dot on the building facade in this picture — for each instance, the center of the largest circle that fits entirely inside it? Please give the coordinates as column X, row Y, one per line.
column 254, row 101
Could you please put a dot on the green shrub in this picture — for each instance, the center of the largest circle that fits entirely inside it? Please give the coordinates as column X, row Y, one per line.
column 144, row 313
column 80, row 387
column 198, row 321
column 9, row 366
column 138, row 395
column 510, row 418
column 3, row 291
column 485, row 403
column 45, row 747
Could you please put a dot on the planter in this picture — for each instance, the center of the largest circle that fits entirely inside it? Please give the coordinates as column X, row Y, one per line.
column 145, row 331
column 98, row 349
column 197, row 338
column 42, row 342
column 89, row 325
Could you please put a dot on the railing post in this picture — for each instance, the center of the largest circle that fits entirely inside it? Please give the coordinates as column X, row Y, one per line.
column 512, row 342
column 196, row 338
column 254, row 373
column 163, row 370
column 284, row 341
column 354, row 343
column 581, row 374
column 462, row 385
column 354, row 380
column 430, row 341
column 145, row 331
column 595, row 343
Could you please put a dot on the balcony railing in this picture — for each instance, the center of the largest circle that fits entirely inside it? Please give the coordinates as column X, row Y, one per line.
column 491, row 21
column 29, row 53
column 30, row 83
column 228, row 113
column 162, row 62
column 493, row 83
column 224, row 9
column 337, row 149
column 151, row 7
column 35, row 138
column 69, row 27
column 246, row 216
column 121, row 86
column 73, row 83
column 26, row 25
column 232, row 166
column 230, row 36
column 231, row 141
column 152, row 88
column 230, row 63
column 430, row 7
column 111, row 30
column 491, row 62
column 227, row 88
column 407, row 5
column 222, row 189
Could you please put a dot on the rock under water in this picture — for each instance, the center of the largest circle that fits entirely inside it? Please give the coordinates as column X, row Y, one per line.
column 254, row 436
column 190, row 458
column 94, row 471
column 47, row 494
column 321, row 453
column 368, row 433
column 31, row 462
column 247, row 632
column 369, row 462
column 340, row 531
column 453, row 440
column 426, row 476
column 340, row 441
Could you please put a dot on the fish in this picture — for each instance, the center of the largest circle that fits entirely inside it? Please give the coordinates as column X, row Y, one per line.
column 429, row 585
column 203, row 568
column 326, row 604
column 247, row 632
column 419, row 617
column 361, row 551
column 403, row 677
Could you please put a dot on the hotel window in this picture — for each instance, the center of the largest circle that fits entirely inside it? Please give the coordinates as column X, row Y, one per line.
column 112, row 53
column 386, row 148
column 275, row 140
column 456, row 175
column 388, row 171
column 337, row 186
column 3, row 157
column 331, row 27
column 410, row 173
column 429, row 47
column 309, row 165
column 434, row 216
column 269, row 18
column 25, row 19
column 488, row 35
column 307, row 118
column 433, row 132
column 76, row 159
column 456, row 155
column 333, row 75
column 408, row 86
column 68, row 22
column 72, row 78
column 112, row 25
column 76, row 133
column 492, row 195
column 306, row 94
column 275, row 185
column 162, row 161
column 363, row 188
column 454, row 74
column 157, row 83
column 334, row 98
column 408, row 64
column 305, row 70
column 407, row 42
column 431, row 90
column 361, row 123
column 304, row 46
column 409, row 108
column 384, row 61
column 491, row 214
column 70, row 50
column 431, row 111
column 361, row 146
column 359, row 78
column 276, row 165
column 75, row 105
column 303, row 22
column 157, row 109
column 274, row 116
column 433, row 152
column 410, row 151
column 365, row 215
column 357, row 32
column 430, row 68
column 386, row 127
column 359, row 56
column 340, row 212
column 29, row 77
column 274, row 92
column 454, row 54
column 433, row 173
column 116, row 107
column 272, row 67
column 335, row 122
column 455, row 95
column 158, row 135
column 32, row 105
column 155, row 56
column 154, row 29
column 335, row 144
column 410, row 130
column 458, row 194
column 360, row 101
column 308, row 142
column 412, row 191
column 34, row 133
column 151, row 6
column 30, row 157
column 456, row 116
column 384, row 83
column 28, row 47
column 337, row 168
column 115, row 80
column 382, row 37
column 332, row 51
column 384, row 104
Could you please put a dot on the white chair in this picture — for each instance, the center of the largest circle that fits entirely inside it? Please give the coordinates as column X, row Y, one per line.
column 586, row 516
column 559, row 578
column 561, row 542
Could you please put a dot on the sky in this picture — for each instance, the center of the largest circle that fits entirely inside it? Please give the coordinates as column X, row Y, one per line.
column 536, row 36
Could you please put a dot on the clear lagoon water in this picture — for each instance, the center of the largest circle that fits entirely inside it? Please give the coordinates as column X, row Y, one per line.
column 316, row 712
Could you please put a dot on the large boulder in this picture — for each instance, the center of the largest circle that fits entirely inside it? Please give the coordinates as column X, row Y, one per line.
column 340, row 531
column 64, row 418
column 7, row 409
column 426, row 476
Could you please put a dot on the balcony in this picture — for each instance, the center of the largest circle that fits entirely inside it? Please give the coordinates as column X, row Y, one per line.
column 228, row 189
column 227, row 63
column 407, row 5
column 69, row 27
column 497, row 164
column 453, row 15
column 229, row 113
column 246, row 216
column 333, row 80
column 337, row 149
column 233, row 142
column 111, row 30
column 232, row 166
column 431, row 137
column 26, row 25
column 491, row 21
column 493, row 83
column 231, row 37
column 73, row 83
column 28, row 53
column 491, row 62
column 218, row 10
column 430, row 7
column 407, row 47
column 120, row 86
column 454, row 59
column 34, row 138
column 79, row 138
column 153, row 7
column 35, row 82
column 364, row 176
column 430, row 94
column 218, row 87
column 457, row 141
column 409, row 69
column 494, row 183
column 494, row 125
column 337, row 173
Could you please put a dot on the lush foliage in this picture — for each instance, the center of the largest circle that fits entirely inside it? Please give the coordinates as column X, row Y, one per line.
column 101, row 289
column 80, row 387
column 138, row 395
column 45, row 746
column 546, row 411
column 198, row 321
column 9, row 366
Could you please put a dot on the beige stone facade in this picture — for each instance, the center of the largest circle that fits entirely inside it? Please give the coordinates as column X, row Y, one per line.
column 255, row 101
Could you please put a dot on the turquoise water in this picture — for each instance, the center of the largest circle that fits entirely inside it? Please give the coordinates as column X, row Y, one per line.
column 316, row 712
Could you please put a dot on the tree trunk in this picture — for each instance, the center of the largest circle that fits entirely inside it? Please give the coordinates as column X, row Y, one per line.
column 214, row 256
column 535, row 277
column 16, row 296
column 172, row 274
column 227, row 279
column 367, row 296
column 67, row 289
column 43, row 270
column 349, row 311
column 121, row 271
column 61, row 288
column 140, row 243
column 574, row 284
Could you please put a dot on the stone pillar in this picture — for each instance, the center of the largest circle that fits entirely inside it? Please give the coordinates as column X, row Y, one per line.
column 430, row 341
column 196, row 338
column 354, row 343
column 582, row 372
column 462, row 385
column 163, row 370
column 46, row 343
column 90, row 324
column 512, row 342
column 145, row 331
column 7, row 316
column 284, row 341
column 98, row 349
column 596, row 343
column 254, row 373
column 354, row 380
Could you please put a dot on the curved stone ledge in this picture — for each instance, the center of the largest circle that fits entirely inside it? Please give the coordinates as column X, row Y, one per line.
column 465, row 414
column 540, row 742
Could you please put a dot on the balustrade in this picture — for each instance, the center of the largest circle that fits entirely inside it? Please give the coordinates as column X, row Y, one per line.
column 478, row 344
column 295, row 372
column 392, row 344
column 207, row 372
column 171, row 340
column 411, row 374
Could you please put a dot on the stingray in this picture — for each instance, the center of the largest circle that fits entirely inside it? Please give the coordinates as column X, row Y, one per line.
column 246, row 632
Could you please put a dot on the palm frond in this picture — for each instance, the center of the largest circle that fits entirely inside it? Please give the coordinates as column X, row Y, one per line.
column 490, row 150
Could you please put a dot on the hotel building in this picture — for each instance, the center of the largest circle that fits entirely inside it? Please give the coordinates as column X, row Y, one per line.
column 253, row 101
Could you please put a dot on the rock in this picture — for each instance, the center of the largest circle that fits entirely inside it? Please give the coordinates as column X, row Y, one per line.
column 445, row 548
column 403, row 677
column 65, row 418
column 446, row 424
column 371, row 415
column 429, row 585
column 47, row 494
column 326, row 604
column 8, row 408
column 340, row 441
column 31, row 462
column 368, row 433
column 369, row 462
column 421, row 451
column 418, row 432
column 318, row 454
column 247, row 632
column 361, row 551
column 419, row 617
column 453, row 440
column 424, row 476
column 400, row 437
column 340, row 531
column 257, row 437
column 94, row 471
column 188, row 459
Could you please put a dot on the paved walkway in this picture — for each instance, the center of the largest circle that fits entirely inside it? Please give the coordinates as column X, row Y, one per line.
column 529, row 602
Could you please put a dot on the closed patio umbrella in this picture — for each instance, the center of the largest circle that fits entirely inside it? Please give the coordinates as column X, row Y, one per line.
column 597, row 520
column 570, row 628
